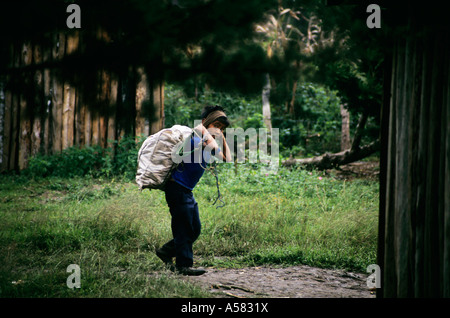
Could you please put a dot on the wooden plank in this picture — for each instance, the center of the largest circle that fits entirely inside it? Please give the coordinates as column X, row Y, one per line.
column 2, row 122
column 95, row 127
column 162, row 112
column 104, row 101
column 72, row 42
column 158, row 100
column 15, row 120
column 87, row 126
column 384, row 141
column 47, row 85
column 6, row 125
column 79, row 119
column 15, row 126
column 68, row 115
column 25, row 121
column 142, row 96
column 47, row 105
column 37, row 105
column 431, row 235
column 390, row 275
column 112, row 112
column 446, row 176
column 57, row 93
column 7, row 128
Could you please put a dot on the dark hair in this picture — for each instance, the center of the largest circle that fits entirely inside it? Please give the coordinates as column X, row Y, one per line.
column 208, row 109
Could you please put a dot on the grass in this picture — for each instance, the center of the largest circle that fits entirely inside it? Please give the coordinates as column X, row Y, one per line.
column 110, row 230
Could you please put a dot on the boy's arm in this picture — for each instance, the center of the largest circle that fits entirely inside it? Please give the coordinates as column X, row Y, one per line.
column 226, row 153
column 211, row 142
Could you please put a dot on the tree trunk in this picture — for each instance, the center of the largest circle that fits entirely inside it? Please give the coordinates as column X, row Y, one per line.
column 345, row 129
column 356, row 152
column 359, row 130
column 266, row 104
column 329, row 161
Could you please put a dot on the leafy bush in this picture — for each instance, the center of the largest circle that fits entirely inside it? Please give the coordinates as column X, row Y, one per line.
column 183, row 108
column 316, row 126
column 118, row 160
column 71, row 162
column 313, row 130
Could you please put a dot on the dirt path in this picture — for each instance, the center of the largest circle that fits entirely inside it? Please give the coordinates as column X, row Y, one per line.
column 295, row 281
column 292, row 282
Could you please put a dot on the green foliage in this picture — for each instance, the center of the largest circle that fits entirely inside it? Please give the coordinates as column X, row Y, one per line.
column 118, row 160
column 313, row 130
column 71, row 162
column 183, row 106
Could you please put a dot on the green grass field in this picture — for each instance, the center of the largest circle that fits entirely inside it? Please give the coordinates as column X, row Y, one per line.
column 110, row 230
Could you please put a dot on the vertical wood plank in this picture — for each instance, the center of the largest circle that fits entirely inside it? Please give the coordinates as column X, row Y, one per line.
column 104, row 106
column 112, row 111
column 8, row 116
column 47, row 105
column 446, row 176
column 7, row 127
column 142, row 96
column 72, row 42
column 162, row 112
column 390, row 274
column 79, row 119
column 157, row 99
column 57, row 93
column 2, row 121
column 24, row 99
column 15, row 109
column 37, row 105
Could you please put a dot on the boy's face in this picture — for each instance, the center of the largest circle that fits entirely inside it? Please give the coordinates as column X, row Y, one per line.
column 214, row 126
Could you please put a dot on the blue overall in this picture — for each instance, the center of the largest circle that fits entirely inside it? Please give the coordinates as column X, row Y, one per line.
column 183, row 208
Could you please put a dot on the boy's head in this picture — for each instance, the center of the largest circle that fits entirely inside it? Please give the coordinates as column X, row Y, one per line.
column 214, row 116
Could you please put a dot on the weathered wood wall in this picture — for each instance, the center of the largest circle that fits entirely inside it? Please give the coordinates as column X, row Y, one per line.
column 414, row 248
column 49, row 105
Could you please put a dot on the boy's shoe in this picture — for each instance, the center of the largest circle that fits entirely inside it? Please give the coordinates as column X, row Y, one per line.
column 164, row 257
column 189, row 271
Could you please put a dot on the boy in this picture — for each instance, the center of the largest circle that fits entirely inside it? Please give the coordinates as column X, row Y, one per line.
column 182, row 205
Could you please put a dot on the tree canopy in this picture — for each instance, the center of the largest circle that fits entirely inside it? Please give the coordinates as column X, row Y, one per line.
column 174, row 39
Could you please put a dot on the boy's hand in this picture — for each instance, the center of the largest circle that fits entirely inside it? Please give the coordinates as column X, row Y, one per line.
column 210, row 135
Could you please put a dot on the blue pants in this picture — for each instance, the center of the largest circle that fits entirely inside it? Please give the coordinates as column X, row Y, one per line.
column 186, row 224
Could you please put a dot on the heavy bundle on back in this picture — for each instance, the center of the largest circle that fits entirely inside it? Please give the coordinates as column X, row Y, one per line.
column 155, row 157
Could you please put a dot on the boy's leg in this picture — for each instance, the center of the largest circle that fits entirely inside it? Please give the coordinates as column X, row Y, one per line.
column 186, row 224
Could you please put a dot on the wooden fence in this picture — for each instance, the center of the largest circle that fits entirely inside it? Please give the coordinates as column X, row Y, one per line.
column 50, row 103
